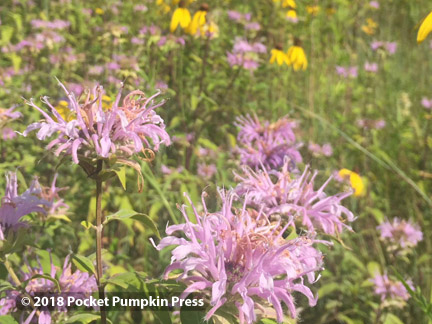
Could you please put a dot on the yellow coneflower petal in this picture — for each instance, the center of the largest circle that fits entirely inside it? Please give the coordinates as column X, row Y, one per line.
column 289, row 3
column 198, row 20
column 182, row 17
column 291, row 15
column 273, row 56
column 425, row 28
column 185, row 18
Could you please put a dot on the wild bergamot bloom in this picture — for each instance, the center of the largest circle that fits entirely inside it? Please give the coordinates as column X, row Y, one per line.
column 277, row 55
column 122, row 130
column 181, row 16
column 425, row 28
column 238, row 258
column 400, row 232
column 293, row 196
column 265, row 144
column 14, row 206
column 296, row 56
column 355, row 181
column 78, row 284
column 198, row 20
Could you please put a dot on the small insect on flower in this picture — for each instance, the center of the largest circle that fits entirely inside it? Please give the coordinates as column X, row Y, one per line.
column 181, row 16
column 278, row 56
column 425, row 28
column 296, row 56
column 355, row 181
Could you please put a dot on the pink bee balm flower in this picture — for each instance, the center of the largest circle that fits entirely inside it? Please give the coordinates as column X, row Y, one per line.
column 265, row 143
column 426, row 103
column 401, row 232
column 92, row 132
column 14, row 206
column 371, row 67
column 374, row 4
column 317, row 150
column 78, row 284
column 390, row 289
column 238, row 258
column 294, row 196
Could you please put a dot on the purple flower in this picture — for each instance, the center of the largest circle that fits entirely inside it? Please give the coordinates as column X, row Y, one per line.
column 266, row 144
column 14, row 207
column 426, row 103
column 318, row 150
column 371, row 67
column 235, row 15
column 400, row 232
column 206, row 171
column 389, row 289
column 253, row 26
column 57, row 204
column 374, row 4
column 92, row 132
column 56, row 24
column 391, row 47
column 78, row 284
column 347, row 72
column 238, row 258
column 371, row 124
column 8, row 133
column 295, row 198
column 96, row 70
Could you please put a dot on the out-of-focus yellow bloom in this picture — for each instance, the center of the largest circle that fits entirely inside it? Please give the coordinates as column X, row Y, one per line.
column 182, row 17
column 355, row 180
column 278, row 56
column 198, row 20
column 210, row 30
column 99, row 11
column 297, row 56
column 425, row 28
column 164, row 6
column 313, row 10
column 64, row 111
column 187, row 2
column 289, row 3
column 370, row 26
column 292, row 15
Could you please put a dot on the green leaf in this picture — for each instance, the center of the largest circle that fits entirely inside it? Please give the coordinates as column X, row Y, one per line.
column 4, row 286
column 121, row 174
column 130, row 214
column 192, row 317
column 328, row 289
column 392, row 319
column 373, row 268
column 83, row 263
column 7, row 319
column 87, row 225
column 83, row 318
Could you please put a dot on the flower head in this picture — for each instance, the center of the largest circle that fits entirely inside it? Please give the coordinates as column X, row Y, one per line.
column 267, row 144
column 389, row 289
column 123, row 129
column 14, row 206
column 78, row 284
column 400, row 232
column 237, row 257
column 278, row 56
column 296, row 57
column 425, row 28
column 426, row 103
column 294, row 197
column 355, row 181
column 181, row 16
column 198, row 20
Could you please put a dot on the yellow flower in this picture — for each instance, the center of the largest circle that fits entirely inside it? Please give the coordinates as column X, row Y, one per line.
column 187, row 2
column 210, row 30
column 425, row 28
column 370, row 26
column 198, row 20
column 278, row 56
column 297, row 57
column 182, row 17
column 292, row 15
column 64, row 111
column 355, row 180
column 289, row 3
column 313, row 10
column 99, row 11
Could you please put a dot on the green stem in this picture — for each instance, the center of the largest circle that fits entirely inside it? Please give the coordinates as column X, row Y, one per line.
column 99, row 235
